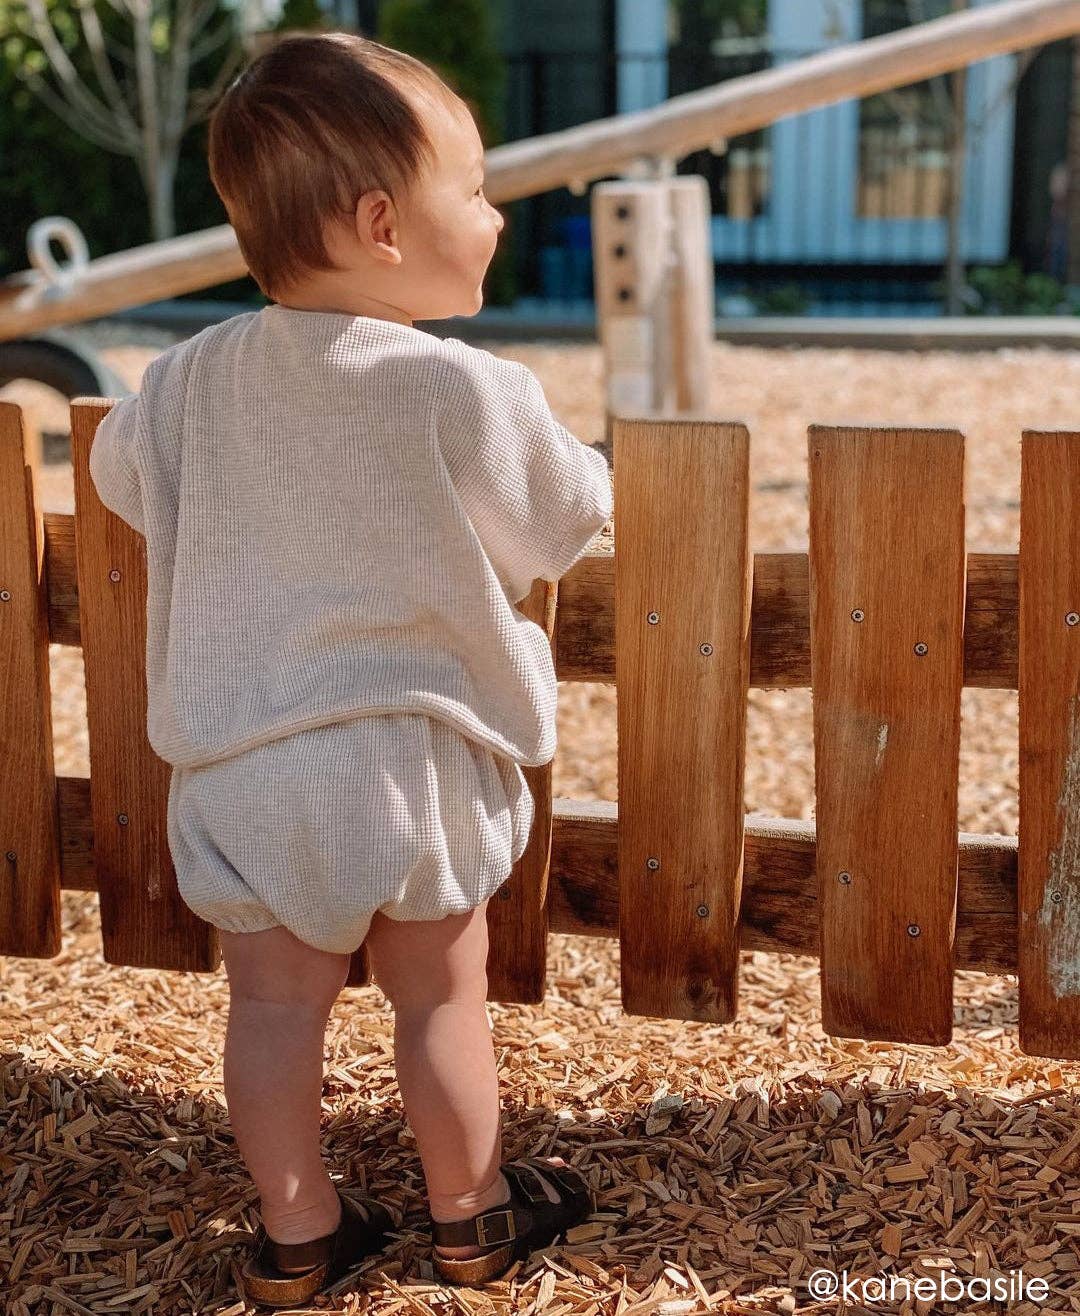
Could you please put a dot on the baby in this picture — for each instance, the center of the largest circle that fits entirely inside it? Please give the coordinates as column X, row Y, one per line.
column 341, row 512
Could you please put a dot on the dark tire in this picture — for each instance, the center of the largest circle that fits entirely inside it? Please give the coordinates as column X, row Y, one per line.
column 59, row 361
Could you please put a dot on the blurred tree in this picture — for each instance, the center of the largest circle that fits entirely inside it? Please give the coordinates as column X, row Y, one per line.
column 143, row 55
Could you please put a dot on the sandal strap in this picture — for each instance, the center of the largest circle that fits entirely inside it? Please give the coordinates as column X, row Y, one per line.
column 487, row 1228
column 502, row 1224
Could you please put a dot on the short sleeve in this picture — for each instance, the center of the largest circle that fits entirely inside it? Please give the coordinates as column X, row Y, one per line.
column 535, row 494
column 113, row 463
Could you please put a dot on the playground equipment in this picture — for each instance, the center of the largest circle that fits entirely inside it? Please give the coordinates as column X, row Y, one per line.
column 886, row 616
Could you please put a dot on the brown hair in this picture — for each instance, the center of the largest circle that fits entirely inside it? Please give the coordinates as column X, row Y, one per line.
column 308, row 127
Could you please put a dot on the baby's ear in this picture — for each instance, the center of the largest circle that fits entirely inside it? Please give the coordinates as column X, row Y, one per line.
column 377, row 226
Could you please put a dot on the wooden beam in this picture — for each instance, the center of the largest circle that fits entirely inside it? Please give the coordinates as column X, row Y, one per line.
column 585, row 625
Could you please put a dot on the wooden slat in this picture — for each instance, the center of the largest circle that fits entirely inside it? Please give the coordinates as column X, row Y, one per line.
column 682, row 511
column 518, row 916
column 1049, row 861
column 887, row 540
column 144, row 920
column 585, row 625
column 29, row 840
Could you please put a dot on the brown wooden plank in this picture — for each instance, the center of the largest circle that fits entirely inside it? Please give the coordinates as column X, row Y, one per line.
column 887, row 574
column 683, row 580
column 144, row 920
column 585, row 624
column 29, row 837
column 517, row 916
column 1049, row 863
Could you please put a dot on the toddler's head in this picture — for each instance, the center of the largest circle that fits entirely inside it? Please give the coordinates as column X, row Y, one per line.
column 353, row 177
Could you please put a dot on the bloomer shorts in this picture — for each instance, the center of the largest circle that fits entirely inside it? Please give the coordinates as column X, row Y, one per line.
column 392, row 811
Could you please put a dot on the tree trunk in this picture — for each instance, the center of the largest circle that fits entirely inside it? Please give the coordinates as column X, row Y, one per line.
column 160, row 195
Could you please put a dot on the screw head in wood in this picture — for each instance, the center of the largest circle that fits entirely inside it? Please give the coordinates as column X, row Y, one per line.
column 1071, row 618
column 653, row 618
column 913, row 929
column 920, row 648
column 122, row 818
column 5, row 595
column 10, row 856
column 844, row 878
column 1055, row 896
column 652, row 863
column 857, row 614
column 114, row 575
column 702, row 910
column 706, row 649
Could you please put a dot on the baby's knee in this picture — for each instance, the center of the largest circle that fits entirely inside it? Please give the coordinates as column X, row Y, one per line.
column 277, row 967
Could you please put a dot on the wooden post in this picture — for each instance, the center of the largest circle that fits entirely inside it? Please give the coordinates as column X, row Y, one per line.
column 653, row 274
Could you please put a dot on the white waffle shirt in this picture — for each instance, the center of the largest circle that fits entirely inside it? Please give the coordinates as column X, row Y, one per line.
column 340, row 513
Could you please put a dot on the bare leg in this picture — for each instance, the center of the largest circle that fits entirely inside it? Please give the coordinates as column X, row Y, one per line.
column 435, row 976
column 281, row 991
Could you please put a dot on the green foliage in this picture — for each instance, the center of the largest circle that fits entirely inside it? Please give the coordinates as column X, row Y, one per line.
column 789, row 299
column 1007, row 290
column 457, row 38
column 302, row 14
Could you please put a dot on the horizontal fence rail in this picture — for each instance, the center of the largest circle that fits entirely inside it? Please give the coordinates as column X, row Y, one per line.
column 885, row 617
column 585, row 624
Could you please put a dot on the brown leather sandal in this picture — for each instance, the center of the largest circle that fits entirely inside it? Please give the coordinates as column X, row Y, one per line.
column 528, row 1220
column 284, row 1274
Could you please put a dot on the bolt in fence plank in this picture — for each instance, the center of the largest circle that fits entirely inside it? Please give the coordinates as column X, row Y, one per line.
column 144, row 920
column 887, row 585
column 29, row 831
column 682, row 559
column 1048, row 876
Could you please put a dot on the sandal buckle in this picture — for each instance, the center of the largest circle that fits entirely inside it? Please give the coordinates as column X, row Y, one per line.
column 488, row 1221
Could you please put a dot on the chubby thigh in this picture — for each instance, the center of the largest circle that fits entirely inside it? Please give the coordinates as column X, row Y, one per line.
column 316, row 831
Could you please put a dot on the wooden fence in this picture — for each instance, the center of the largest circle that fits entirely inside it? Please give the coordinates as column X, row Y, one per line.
column 886, row 616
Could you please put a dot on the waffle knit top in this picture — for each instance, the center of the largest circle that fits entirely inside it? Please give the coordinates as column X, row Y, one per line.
column 340, row 513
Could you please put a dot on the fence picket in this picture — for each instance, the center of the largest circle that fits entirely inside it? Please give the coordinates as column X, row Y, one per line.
column 682, row 622
column 887, row 586
column 1048, row 864
column 29, row 833
column 144, row 921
